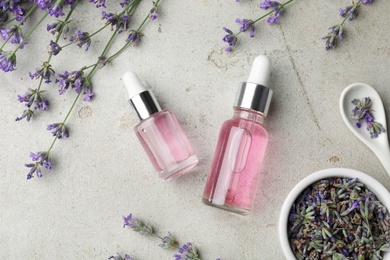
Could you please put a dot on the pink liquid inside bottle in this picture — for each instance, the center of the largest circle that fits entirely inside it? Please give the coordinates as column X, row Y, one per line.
column 242, row 141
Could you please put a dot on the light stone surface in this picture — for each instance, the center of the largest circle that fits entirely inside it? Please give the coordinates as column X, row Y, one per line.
column 101, row 172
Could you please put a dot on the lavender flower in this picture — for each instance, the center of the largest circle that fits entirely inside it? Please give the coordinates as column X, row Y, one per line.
column 269, row 4
column 55, row 9
column 72, row 79
column 82, row 38
column 28, row 113
column 351, row 11
column 230, row 39
column 14, row 33
column 118, row 256
column 276, row 6
column 375, row 129
column 187, row 252
column 134, row 37
column 87, row 90
column 45, row 72
column 153, row 13
column 99, row 3
column 59, row 130
column 19, row 12
column 335, row 32
column 245, row 25
column 125, row 3
column 7, row 61
column 168, row 242
column 137, row 225
column 58, row 27
column 40, row 159
column 43, row 4
column 33, row 96
column 111, row 18
column 54, row 48
column 120, row 22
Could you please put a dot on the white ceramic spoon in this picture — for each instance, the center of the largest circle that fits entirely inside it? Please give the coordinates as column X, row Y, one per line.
column 380, row 145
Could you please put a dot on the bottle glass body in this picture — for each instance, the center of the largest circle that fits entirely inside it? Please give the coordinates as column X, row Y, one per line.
column 238, row 157
column 166, row 144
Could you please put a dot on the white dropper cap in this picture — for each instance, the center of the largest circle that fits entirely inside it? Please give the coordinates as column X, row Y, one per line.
column 133, row 84
column 142, row 100
column 255, row 94
column 261, row 71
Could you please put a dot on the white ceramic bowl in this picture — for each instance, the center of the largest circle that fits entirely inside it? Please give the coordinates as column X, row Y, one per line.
column 373, row 185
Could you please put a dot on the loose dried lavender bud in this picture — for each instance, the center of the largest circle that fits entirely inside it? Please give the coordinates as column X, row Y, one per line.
column 362, row 111
column 338, row 218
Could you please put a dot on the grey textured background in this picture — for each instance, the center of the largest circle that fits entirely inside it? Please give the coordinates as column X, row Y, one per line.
column 101, row 171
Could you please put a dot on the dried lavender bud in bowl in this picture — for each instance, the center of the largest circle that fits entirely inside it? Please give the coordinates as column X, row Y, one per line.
column 336, row 213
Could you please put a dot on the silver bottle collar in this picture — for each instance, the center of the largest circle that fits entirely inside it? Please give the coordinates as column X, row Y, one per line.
column 254, row 96
column 144, row 105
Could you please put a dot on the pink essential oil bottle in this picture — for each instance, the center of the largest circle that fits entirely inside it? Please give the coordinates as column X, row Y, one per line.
column 242, row 141
column 159, row 132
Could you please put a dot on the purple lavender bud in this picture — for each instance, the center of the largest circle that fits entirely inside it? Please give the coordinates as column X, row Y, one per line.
column 99, row 3
column 41, row 159
column 14, row 33
column 28, row 113
column 267, row 4
column 59, row 130
column 72, row 79
column 7, row 61
column 153, row 13
column 134, row 37
column 124, row 3
column 19, row 12
column 56, row 8
column 54, row 48
column 45, row 72
column 43, row 4
column 118, row 256
column 230, row 39
column 367, row 1
column 111, row 18
column 57, row 27
column 245, row 24
column 275, row 19
column 344, row 11
column 82, row 38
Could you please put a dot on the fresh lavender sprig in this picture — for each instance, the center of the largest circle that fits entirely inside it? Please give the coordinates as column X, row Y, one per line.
column 81, row 81
column 336, row 32
column 231, row 38
column 185, row 252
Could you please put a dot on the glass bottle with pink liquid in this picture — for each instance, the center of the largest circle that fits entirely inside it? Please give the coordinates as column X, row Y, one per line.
column 242, row 141
column 159, row 132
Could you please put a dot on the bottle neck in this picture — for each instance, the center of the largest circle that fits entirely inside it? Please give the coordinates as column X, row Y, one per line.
column 248, row 114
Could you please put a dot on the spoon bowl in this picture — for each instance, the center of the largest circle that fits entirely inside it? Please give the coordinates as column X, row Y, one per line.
column 379, row 145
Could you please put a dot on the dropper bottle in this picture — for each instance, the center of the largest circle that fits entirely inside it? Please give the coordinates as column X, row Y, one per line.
column 159, row 132
column 242, row 141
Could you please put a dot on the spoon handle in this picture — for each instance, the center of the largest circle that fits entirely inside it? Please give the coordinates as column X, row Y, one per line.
column 384, row 157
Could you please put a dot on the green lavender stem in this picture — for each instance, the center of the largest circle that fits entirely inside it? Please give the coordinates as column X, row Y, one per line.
column 58, row 37
column 88, row 77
